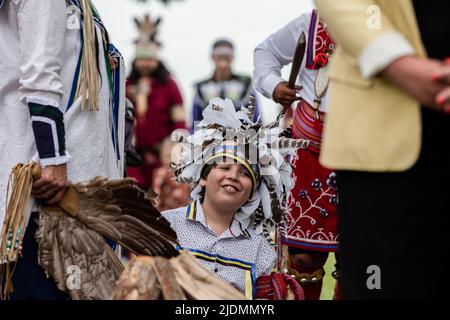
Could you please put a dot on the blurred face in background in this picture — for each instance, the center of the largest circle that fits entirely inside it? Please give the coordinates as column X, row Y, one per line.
column 223, row 59
column 222, row 62
column 146, row 66
column 166, row 151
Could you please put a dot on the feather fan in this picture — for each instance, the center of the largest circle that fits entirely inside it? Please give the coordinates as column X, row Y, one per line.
column 75, row 244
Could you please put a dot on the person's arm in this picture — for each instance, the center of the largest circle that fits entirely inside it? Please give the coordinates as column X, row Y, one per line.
column 177, row 113
column 270, row 56
column 414, row 76
column 42, row 27
column 381, row 50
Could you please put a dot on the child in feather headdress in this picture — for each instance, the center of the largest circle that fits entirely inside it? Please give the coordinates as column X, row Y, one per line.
column 240, row 177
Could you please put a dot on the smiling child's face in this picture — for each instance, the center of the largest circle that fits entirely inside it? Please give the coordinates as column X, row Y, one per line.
column 228, row 185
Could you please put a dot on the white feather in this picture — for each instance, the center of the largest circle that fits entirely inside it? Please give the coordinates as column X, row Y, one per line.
column 195, row 193
column 258, row 229
column 251, row 206
column 191, row 172
column 222, row 112
column 201, row 136
column 286, row 176
column 265, row 201
column 277, row 160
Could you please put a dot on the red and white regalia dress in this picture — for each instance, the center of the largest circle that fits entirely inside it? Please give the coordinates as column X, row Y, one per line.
column 312, row 219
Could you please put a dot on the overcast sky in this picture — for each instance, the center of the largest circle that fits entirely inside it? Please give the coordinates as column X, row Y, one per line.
column 189, row 27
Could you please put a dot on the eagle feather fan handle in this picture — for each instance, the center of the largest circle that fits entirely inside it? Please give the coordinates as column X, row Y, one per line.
column 75, row 243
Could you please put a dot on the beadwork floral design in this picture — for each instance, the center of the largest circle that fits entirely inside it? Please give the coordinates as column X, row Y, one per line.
column 307, row 204
column 303, row 194
column 316, row 184
column 331, row 181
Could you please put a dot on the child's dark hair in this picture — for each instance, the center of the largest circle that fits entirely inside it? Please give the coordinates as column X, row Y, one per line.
column 204, row 174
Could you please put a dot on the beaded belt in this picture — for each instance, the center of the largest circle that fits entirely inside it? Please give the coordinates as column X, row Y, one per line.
column 308, row 124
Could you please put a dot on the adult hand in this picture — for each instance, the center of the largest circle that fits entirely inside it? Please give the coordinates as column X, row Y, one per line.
column 414, row 75
column 442, row 75
column 285, row 95
column 113, row 62
column 52, row 184
column 443, row 99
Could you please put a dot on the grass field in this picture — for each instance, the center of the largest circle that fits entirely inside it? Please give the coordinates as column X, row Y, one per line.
column 329, row 281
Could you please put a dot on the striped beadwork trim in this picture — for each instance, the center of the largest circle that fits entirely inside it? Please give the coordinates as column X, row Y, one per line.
column 191, row 214
column 310, row 51
column 249, row 268
column 305, row 125
column 191, row 211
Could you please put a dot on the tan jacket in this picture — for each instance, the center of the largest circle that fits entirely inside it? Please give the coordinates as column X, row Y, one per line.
column 371, row 125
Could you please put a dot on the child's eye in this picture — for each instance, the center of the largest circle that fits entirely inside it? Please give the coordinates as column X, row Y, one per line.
column 245, row 173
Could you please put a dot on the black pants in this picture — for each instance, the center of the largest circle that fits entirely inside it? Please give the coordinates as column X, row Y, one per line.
column 399, row 223
column 29, row 279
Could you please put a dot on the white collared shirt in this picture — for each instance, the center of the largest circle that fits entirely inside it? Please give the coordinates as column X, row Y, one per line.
column 39, row 49
column 232, row 255
column 277, row 51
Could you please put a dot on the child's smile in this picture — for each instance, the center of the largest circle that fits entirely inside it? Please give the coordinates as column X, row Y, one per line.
column 229, row 185
column 231, row 188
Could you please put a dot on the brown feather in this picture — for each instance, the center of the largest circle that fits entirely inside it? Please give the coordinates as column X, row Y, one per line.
column 113, row 209
column 178, row 278
column 275, row 203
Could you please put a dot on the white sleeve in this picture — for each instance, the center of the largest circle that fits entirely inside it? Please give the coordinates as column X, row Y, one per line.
column 42, row 27
column 382, row 52
column 274, row 53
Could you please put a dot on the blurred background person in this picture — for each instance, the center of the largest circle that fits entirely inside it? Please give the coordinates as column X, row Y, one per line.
column 171, row 194
column 157, row 99
column 187, row 43
column 224, row 83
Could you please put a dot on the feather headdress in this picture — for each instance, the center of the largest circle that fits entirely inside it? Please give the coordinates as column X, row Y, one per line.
column 225, row 132
column 147, row 46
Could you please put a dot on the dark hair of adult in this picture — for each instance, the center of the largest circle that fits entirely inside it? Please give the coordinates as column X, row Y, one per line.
column 223, row 43
column 161, row 73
